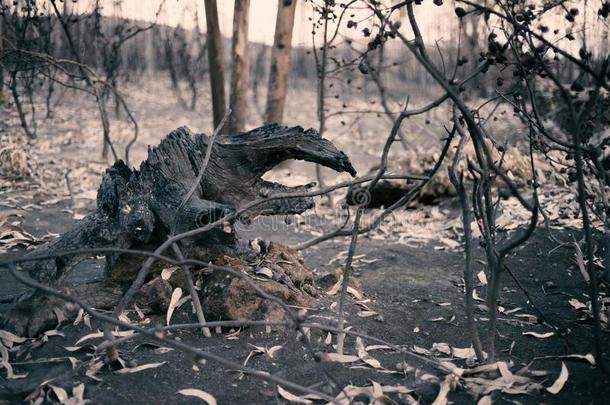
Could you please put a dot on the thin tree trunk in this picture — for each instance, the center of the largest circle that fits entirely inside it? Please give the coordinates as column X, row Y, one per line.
column 241, row 69
column 280, row 60
column 1, row 69
column 377, row 76
column 217, row 76
column 171, row 68
column 50, row 90
column 257, row 74
column 321, row 66
column 19, row 105
column 67, row 8
column 473, row 45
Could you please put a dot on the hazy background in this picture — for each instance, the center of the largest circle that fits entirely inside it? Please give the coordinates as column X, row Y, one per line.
column 437, row 23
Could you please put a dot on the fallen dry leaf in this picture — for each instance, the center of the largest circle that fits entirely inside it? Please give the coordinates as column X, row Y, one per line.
column 539, row 335
column 442, row 347
column 355, row 293
column 337, row 287
column 273, row 350
column 99, row 334
column 291, row 397
column 366, row 314
column 401, row 389
column 507, row 376
column 78, row 395
column 79, row 317
column 263, row 350
column 476, row 297
column 4, row 363
column 421, row 350
column 12, row 235
column 202, row 395
column 364, row 356
column 581, row 262
column 464, row 353
column 166, row 274
column 142, row 367
column 377, row 347
column 482, row 277
column 162, row 350
column 92, row 370
column 560, row 381
column 375, row 393
column 484, row 368
column 60, row 393
column 9, row 338
column 53, row 332
column 338, row 358
column 265, row 271
column 511, row 311
column 577, row 304
column 173, row 303
column 529, row 317
column 369, row 261
column 448, row 384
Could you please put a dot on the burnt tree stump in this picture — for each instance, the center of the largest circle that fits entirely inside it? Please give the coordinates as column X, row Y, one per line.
column 139, row 209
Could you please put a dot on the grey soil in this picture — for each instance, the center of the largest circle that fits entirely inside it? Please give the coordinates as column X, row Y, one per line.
column 405, row 286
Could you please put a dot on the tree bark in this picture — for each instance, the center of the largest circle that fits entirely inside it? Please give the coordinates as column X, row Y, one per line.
column 241, row 69
column 280, row 61
column 1, row 68
column 217, row 77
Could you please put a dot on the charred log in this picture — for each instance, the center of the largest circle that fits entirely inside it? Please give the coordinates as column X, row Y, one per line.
column 139, row 209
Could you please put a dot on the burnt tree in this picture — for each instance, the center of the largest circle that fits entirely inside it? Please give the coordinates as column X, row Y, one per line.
column 140, row 209
column 1, row 67
column 280, row 61
column 217, row 77
column 240, row 71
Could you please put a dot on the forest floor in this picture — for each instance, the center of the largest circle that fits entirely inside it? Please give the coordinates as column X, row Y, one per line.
column 410, row 272
column 413, row 298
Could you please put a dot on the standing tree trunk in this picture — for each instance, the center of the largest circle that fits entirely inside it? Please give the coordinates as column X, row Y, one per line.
column 473, row 47
column 67, row 8
column 280, row 60
column 1, row 69
column 241, row 70
column 472, row 43
column 258, row 73
column 321, row 64
column 217, row 76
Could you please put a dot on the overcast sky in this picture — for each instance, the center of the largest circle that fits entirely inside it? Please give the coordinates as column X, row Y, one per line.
column 437, row 23
column 262, row 16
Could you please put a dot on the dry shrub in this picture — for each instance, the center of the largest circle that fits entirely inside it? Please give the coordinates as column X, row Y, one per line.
column 551, row 107
column 16, row 162
column 514, row 162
